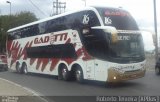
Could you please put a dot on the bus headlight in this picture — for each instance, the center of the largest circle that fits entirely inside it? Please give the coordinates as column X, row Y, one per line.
column 114, row 77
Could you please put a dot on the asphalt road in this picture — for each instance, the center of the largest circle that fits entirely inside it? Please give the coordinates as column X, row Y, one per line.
column 46, row 85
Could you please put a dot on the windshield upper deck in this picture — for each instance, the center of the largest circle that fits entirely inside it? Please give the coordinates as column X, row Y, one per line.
column 118, row 18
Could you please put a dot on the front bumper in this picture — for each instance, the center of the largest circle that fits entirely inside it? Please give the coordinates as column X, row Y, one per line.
column 115, row 76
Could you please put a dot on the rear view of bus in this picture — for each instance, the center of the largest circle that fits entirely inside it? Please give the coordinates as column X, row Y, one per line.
column 119, row 46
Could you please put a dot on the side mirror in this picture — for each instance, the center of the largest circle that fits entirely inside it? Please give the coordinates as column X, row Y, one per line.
column 114, row 33
column 109, row 30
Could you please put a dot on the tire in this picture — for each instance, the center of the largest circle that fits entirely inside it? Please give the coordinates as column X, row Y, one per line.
column 64, row 73
column 157, row 70
column 79, row 75
column 18, row 68
column 24, row 69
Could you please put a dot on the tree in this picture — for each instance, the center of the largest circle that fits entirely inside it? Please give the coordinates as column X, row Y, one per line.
column 11, row 21
column 22, row 18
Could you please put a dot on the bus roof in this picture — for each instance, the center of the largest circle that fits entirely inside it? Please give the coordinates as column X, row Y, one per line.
column 63, row 14
column 50, row 18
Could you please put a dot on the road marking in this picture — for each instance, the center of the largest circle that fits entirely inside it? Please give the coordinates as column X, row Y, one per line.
column 150, row 70
column 27, row 89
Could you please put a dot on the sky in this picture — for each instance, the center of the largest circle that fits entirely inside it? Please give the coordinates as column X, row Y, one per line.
column 148, row 41
column 141, row 10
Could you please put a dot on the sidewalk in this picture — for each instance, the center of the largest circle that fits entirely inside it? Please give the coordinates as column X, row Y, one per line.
column 12, row 92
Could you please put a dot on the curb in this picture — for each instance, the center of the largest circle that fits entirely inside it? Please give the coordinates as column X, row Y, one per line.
column 30, row 94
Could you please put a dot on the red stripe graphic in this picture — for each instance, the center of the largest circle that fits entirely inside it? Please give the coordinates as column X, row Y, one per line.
column 17, row 52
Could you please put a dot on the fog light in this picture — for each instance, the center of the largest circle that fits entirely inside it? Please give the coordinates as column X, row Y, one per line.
column 114, row 77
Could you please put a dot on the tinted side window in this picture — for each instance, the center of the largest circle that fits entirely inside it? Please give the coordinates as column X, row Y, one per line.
column 13, row 35
column 93, row 19
column 71, row 21
column 24, row 32
column 28, row 31
column 42, row 27
column 56, row 51
column 85, row 18
column 74, row 20
column 57, row 24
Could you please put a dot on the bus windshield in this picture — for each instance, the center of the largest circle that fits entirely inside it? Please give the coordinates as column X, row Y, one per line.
column 117, row 18
column 128, row 46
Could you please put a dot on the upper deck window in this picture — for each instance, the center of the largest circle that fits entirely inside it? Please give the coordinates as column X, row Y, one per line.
column 117, row 18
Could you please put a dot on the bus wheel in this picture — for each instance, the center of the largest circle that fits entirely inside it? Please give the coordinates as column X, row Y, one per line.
column 24, row 68
column 157, row 70
column 79, row 75
column 65, row 73
column 18, row 68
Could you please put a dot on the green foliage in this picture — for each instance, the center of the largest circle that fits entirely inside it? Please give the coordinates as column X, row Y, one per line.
column 22, row 18
column 11, row 21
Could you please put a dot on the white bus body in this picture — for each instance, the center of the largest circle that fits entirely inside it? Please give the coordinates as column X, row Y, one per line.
column 86, row 44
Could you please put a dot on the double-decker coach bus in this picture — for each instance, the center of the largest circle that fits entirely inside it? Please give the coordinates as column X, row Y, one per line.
column 95, row 43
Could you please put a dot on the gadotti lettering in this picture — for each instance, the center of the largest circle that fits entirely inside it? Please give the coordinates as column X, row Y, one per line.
column 41, row 40
column 59, row 37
